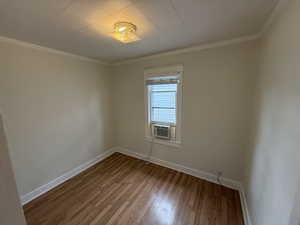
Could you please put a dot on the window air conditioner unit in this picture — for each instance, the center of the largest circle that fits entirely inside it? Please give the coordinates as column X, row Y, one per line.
column 162, row 131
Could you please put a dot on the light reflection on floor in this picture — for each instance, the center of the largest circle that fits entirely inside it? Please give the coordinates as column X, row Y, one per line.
column 163, row 210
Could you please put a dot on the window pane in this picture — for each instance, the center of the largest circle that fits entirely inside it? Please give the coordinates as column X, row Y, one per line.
column 163, row 99
column 164, row 87
column 163, row 102
column 164, row 115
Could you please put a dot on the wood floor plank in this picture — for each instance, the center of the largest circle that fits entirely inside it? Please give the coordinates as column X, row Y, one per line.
column 122, row 190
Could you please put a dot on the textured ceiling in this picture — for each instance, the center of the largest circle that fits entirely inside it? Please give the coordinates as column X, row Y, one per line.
column 84, row 27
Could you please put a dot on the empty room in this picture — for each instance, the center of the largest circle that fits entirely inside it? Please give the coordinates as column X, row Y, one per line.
column 149, row 112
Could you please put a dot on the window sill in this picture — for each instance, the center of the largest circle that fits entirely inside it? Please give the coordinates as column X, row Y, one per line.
column 175, row 144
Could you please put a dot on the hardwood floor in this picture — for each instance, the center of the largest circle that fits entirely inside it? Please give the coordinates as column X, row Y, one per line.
column 122, row 190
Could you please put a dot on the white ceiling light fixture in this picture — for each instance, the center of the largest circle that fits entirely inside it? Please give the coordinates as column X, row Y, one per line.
column 125, row 32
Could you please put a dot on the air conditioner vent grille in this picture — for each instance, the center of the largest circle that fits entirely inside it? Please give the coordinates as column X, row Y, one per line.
column 161, row 131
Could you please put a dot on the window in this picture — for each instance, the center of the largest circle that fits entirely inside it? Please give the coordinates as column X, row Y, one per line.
column 163, row 102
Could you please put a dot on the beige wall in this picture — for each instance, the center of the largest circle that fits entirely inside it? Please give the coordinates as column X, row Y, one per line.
column 11, row 212
column 273, row 174
column 60, row 112
column 57, row 110
column 217, row 90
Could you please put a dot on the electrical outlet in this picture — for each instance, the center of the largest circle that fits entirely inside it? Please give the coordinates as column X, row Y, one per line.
column 219, row 175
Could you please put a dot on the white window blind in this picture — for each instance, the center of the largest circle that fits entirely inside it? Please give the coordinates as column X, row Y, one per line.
column 162, row 80
column 163, row 97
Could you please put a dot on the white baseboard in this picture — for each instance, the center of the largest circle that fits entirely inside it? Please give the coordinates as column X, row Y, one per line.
column 66, row 176
column 194, row 172
column 244, row 204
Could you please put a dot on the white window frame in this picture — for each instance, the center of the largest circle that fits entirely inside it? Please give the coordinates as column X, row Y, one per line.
column 161, row 72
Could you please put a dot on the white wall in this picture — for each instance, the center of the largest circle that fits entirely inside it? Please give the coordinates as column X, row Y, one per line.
column 57, row 110
column 273, row 174
column 11, row 212
column 217, row 98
